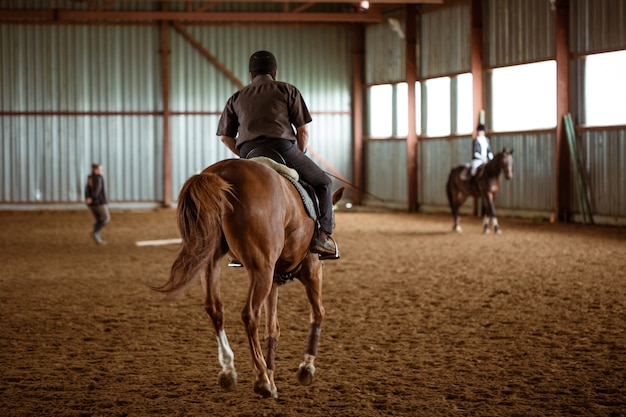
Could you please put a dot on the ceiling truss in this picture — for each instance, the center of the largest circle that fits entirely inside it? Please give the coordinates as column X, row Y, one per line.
column 208, row 11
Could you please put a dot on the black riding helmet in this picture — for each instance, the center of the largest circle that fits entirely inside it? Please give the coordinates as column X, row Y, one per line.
column 262, row 62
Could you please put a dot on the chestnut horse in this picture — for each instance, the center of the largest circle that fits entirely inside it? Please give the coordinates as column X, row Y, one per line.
column 247, row 209
column 484, row 186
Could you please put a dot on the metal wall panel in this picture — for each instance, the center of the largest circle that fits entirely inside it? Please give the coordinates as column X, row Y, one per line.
column 385, row 178
column 74, row 71
column 385, row 52
column 50, row 160
column 316, row 60
column 597, row 25
column 603, row 154
column 444, row 41
column 436, row 158
column 532, row 189
column 518, row 31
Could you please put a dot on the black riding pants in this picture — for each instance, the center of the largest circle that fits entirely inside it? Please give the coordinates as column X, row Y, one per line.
column 307, row 169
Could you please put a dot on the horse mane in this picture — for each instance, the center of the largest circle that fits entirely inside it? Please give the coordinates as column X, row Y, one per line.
column 494, row 167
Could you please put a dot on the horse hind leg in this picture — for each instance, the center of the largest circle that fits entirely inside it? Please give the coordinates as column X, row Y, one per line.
column 260, row 288
column 496, row 226
column 228, row 375
column 306, row 370
column 486, row 224
column 312, row 280
column 227, row 378
column 272, row 334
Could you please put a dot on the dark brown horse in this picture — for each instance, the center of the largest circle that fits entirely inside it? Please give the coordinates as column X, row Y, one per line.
column 247, row 209
column 484, row 186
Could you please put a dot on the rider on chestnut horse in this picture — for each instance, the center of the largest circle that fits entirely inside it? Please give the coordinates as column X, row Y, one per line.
column 263, row 115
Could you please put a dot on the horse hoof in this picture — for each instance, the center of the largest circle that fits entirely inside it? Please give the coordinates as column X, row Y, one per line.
column 497, row 231
column 265, row 391
column 305, row 373
column 228, row 380
column 457, row 229
column 486, row 231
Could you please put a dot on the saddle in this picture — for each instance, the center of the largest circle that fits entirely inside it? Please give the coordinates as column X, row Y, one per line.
column 274, row 160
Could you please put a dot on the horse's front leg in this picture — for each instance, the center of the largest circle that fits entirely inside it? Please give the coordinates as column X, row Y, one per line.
column 457, row 202
column 312, row 280
column 492, row 215
column 486, row 209
column 272, row 334
column 215, row 310
column 260, row 288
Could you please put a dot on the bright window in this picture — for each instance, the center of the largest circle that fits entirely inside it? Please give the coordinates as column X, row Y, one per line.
column 464, row 104
column 380, row 110
column 447, row 100
column 418, row 107
column 605, row 89
column 438, row 106
column 524, row 97
column 402, row 113
column 388, row 110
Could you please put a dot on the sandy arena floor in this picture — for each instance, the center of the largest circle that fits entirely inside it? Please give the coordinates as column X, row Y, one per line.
column 420, row 322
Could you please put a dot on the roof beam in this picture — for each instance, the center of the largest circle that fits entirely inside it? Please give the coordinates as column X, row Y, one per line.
column 66, row 16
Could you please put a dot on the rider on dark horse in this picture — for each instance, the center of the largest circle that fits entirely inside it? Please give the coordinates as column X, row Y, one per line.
column 263, row 115
column 481, row 152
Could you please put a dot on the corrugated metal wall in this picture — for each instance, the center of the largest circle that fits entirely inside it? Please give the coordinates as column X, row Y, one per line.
column 517, row 31
column 444, row 46
column 385, row 178
column 385, row 52
column 316, row 60
column 597, row 25
column 68, row 70
column 75, row 71
column 532, row 189
column 604, row 159
column 436, row 158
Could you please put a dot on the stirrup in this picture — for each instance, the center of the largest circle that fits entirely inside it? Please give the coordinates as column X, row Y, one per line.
column 330, row 257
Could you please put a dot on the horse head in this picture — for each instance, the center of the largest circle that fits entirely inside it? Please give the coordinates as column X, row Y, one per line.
column 507, row 163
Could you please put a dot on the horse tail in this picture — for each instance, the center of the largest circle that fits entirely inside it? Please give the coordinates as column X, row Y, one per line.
column 201, row 203
column 449, row 193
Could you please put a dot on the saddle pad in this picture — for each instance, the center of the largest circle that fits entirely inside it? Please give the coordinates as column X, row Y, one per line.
column 293, row 177
column 306, row 198
column 280, row 168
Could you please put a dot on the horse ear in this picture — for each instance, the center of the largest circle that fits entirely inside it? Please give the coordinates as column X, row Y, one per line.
column 511, row 151
column 338, row 194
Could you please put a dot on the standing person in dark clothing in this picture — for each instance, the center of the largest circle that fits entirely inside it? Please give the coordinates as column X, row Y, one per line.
column 272, row 114
column 96, row 199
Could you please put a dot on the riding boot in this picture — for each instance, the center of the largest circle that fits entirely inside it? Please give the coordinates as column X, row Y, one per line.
column 321, row 245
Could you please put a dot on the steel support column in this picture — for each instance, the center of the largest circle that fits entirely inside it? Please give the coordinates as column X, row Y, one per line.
column 478, row 70
column 563, row 180
column 411, row 78
column 358, row 59
column 165, row 82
